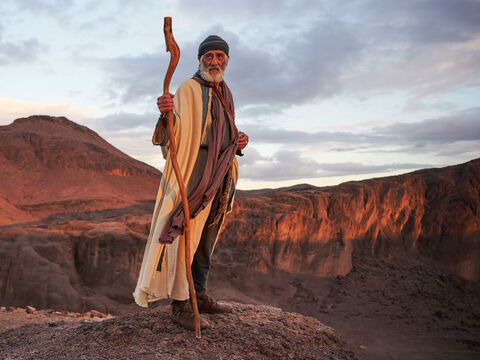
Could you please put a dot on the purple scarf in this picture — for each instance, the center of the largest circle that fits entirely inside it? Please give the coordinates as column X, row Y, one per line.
column 217, row 166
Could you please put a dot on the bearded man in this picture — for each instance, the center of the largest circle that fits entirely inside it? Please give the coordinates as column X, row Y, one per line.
column 207, row 141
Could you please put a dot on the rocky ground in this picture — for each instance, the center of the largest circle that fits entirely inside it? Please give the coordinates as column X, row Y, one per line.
column 402, row 307
column 12, row 318
column 250, row 332
column 405, row 307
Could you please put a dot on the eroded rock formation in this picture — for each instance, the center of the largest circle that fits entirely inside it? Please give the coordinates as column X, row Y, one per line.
column 309, row 230
column 74, row 231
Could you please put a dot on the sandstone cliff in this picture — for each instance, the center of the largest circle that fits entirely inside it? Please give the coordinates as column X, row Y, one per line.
column 309, row 230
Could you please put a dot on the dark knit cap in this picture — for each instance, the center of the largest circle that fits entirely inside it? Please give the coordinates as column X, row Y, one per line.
column 212, row 42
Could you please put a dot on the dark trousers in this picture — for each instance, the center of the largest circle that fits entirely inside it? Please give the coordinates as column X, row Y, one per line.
column 203, row 256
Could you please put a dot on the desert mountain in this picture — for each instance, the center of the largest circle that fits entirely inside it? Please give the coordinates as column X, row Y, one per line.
column 379, row 260
column 53, row 163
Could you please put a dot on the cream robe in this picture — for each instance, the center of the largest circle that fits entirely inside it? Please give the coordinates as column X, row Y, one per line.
column 171, row 280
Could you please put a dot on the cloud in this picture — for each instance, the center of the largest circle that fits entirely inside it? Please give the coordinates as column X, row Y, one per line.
column 423, row 48
column 288, row 165
column 258, row 111
column 302, row 70
column 11, row 109
column 425, row 22
column 119, row 122
column 253, row 9
column 138, row 78
column 308, row 66
column 462, row 126
column 50, row 7
column 25, row 51
column 400, row 137
column 270, row 135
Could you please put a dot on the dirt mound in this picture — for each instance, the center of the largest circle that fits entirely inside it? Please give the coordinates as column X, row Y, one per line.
column 250, row 332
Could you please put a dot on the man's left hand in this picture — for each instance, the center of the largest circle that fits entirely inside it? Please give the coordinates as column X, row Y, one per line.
column 243, row 141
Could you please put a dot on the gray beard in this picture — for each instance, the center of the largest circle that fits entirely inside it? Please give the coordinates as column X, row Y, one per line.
column 205, row 74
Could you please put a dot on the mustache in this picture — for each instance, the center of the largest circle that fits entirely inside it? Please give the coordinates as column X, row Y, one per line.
column 206, row 68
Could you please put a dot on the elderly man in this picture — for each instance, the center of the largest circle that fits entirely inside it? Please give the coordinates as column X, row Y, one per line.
column 207, row 141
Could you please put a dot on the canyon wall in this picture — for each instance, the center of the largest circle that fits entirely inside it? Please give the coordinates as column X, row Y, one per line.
column 75, row 220
column 309, row 230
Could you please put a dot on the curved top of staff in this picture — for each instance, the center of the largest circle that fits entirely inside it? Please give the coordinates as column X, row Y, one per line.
column 172, row 47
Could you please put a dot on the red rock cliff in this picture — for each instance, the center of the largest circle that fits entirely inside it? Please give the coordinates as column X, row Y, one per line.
column 312, row 230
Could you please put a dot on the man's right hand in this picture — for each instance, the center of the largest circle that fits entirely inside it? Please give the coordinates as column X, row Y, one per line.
column 165, row 103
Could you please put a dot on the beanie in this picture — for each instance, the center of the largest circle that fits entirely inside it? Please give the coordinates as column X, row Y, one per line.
column 212, row 42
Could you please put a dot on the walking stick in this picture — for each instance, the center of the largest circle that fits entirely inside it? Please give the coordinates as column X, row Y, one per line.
column 172, row 47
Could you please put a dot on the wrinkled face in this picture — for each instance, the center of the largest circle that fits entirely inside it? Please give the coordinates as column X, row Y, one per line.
column 212, row 65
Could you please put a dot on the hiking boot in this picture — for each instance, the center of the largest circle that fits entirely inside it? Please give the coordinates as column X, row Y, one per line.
column 208, row 305
column 181, row 313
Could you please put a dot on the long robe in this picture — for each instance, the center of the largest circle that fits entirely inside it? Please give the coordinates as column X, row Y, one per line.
column 192, row 104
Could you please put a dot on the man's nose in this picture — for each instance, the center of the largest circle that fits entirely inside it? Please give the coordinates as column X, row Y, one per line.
column 215, row 61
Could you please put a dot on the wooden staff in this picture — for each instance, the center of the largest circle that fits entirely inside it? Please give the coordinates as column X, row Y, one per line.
column 172, row 47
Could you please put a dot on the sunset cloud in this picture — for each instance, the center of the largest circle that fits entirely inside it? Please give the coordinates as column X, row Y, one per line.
column 288, row 165
column 11, row 109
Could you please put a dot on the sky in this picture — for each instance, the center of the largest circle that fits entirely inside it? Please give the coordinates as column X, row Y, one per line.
column 327, row 91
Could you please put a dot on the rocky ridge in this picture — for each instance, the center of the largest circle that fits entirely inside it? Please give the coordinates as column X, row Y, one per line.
column 250, row 332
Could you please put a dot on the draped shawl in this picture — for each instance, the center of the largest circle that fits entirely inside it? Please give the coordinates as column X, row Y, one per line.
column 219, row 161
